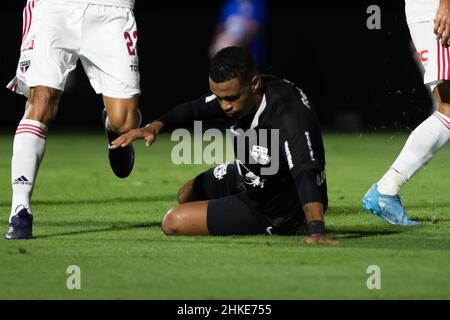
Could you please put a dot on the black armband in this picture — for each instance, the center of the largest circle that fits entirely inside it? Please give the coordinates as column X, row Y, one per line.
column 316, row 227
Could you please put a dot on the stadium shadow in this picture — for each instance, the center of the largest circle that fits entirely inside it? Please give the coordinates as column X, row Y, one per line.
column 107, row 229
column 353, row 234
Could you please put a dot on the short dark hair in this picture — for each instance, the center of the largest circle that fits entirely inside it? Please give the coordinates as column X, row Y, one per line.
column 230, row 63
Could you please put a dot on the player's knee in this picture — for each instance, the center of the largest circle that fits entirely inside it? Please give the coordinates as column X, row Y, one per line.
column 172, row 222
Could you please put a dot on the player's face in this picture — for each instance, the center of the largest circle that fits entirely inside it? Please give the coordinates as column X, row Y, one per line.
column 238, row 98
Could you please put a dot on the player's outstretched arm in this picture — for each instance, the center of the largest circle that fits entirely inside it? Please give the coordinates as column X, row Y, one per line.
column 316, row 227
column 442, row 22
column 148, row 133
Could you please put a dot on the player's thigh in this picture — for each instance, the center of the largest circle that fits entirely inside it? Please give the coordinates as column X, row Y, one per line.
column 109, row 51
column 217, row 182
column 235, row 215
column 49, row 46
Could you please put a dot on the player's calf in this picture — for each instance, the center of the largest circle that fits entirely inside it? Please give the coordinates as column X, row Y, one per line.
column 121, row 159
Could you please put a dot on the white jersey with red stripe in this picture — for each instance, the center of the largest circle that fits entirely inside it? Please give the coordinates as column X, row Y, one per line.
column 420, row 10
column 117, row 3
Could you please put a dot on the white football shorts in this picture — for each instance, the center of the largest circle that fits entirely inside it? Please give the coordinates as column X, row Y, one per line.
column 58, row 33
column 434, row 57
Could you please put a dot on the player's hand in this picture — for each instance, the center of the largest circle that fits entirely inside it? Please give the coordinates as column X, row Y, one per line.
column 320, row 239
column 442, row 22
column 148, row 133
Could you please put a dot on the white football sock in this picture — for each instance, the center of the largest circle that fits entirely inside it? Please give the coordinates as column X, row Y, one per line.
column 28, row 151
column 420, row 147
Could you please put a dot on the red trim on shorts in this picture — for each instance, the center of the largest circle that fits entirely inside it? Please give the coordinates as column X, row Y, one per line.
column 438, row 59
column 27, row 18
column 24, row 19
column 444, row 60
column 446, row 71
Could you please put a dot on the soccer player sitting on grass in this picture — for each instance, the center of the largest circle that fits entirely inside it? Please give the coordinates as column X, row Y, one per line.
column 243, row 197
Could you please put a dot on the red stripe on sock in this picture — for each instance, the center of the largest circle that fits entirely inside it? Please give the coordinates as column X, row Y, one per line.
column 43, row 133
column 30, row 126
column 31, row 132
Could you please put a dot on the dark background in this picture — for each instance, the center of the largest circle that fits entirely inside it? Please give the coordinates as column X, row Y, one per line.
column 358, row 79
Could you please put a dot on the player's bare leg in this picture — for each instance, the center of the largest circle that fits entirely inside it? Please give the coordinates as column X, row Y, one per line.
column 442, row 96
column 186, row 193
column 189, row 219
column 119, row 117
column 28, row 152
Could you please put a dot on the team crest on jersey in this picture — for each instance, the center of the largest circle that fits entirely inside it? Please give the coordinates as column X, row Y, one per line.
column 220, row 171
column 260, row 154
column 24, row 65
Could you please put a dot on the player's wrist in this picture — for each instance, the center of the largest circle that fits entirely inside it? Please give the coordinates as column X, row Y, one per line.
column 155, row 126
column 315, row 228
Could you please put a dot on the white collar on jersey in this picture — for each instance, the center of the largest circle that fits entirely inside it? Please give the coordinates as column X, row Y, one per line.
column 261, row 108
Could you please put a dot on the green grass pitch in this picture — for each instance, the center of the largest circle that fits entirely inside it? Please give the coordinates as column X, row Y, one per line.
column 110, row 228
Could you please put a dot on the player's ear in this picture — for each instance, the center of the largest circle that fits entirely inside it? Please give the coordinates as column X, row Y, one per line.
column 256, row 83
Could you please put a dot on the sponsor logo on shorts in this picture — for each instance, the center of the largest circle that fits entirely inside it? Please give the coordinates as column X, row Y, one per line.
column 134, row 68
column 423, row 55
column 134, row 65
